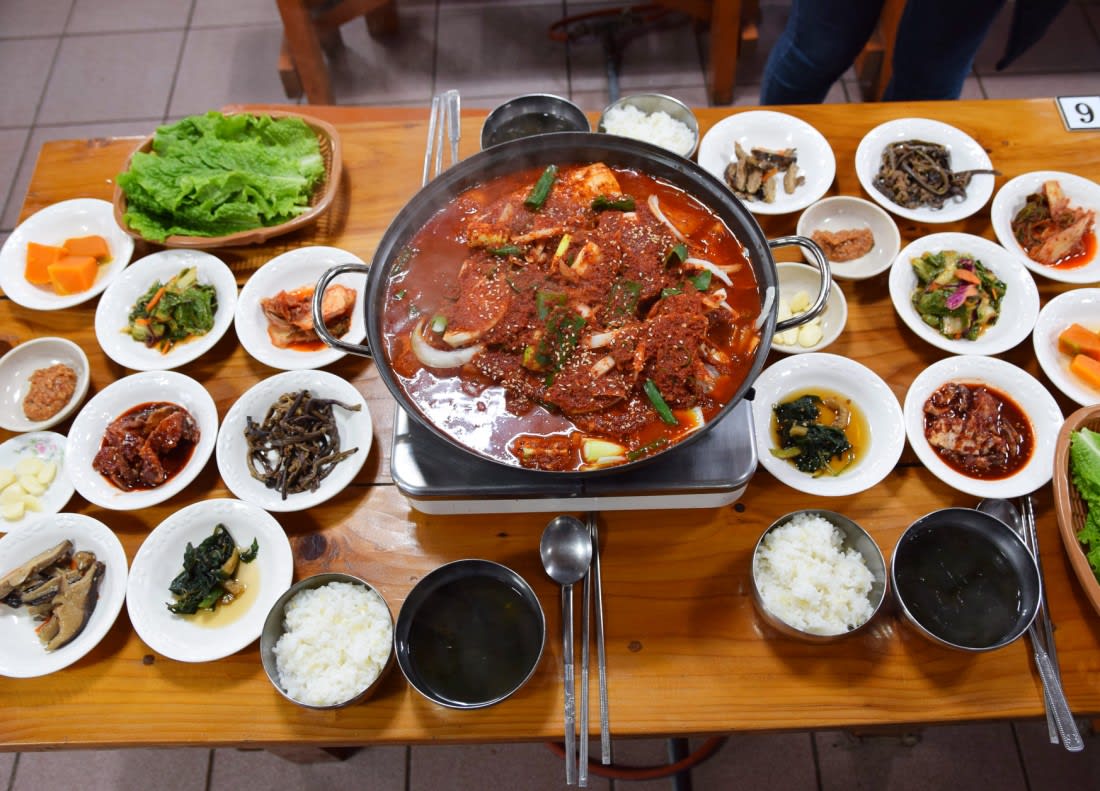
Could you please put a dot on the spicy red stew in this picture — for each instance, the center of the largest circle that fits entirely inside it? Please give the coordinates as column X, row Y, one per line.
column 977, row 431
column 573, row 317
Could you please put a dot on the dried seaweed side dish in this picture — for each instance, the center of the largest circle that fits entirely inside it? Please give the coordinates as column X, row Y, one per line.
column 753, row 175
column 298, row 443
column 916, row 173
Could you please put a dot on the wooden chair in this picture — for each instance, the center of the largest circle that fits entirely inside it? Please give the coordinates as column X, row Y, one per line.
column 311, row 29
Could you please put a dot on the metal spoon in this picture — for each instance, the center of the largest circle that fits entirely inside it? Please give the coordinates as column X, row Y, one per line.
column 566, row 552
column 1060, row 722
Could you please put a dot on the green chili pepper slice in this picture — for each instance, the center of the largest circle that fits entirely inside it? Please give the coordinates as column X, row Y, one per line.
column 541, row 191
column 508, row 249
column 677, row 254
column 702, row 280
column 654, row 396
column 621, row 203
column 646, row 449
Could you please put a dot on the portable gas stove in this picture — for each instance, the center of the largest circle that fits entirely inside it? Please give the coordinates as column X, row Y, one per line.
column 710, row 472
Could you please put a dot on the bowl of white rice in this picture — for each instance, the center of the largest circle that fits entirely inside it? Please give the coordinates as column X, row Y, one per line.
column 328, row 641
column 817, row 576
column 653, row 118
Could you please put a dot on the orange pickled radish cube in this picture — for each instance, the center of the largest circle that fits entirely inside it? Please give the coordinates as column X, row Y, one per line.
column 95, row 246
column 1087, row 370
column 1076, row 339
column 39, row 259
column 73, row 274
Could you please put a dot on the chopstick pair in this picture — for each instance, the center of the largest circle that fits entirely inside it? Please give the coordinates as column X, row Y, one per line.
column 445, row 119
column 593, row 590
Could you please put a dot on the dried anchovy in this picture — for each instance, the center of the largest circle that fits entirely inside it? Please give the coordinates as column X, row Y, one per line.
column 298, row 443
column 915, row 173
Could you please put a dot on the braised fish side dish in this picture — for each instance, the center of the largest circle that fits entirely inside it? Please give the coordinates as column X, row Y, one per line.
column 570, row 318
column 755, row 174
column 1052, row 232
column 60, row 588
column 290, row 316
column 977, row 431
column 146, row 446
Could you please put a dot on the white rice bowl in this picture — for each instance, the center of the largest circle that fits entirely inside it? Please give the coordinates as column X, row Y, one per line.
column 808, row 581
column 336, row 641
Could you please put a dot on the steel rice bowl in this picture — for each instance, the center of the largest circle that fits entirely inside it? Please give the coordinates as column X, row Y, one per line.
column 274, row 628
column 563, row 148
column 854, row 537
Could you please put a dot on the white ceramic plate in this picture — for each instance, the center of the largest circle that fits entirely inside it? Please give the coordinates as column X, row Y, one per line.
column 1019, row 306
column 301, row 267
column 966, row 154
column 768, row 129
column 21, row 654
column 794, row 278
column 119, row 299
column 841, row 213
column 188, row 638
column 846, row 377
column 1080, row 306
column 1010, row 198
column 1025, row 390
column 356, row 431
column 23, row 360
column 47, row 446
column 53, row 225
column 107, row 405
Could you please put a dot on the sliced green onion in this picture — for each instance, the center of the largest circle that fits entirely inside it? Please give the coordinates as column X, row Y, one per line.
column 546, row 300
column 671, row 291
column 439, row 323
column 677, row 254
column 563, row 245
column 541, row 191
column 654, row 396
column 646, row 449
column 621, row 203
column 400, row 294
column 508, row 249
column 702, row 280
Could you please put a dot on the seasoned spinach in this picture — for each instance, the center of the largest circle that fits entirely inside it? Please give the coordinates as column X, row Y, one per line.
column 805, row 441
column 209, row 573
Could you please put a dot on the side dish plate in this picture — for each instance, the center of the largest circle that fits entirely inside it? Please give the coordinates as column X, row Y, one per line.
column 1034, row 400
column 21, row 654
column 199, row 637
column 23, row 360
column 1080, row 306
column 88, row 429
column 49, row 447
column 112, row 313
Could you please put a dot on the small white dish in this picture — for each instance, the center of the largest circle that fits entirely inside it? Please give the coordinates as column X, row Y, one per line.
column 1080, row 306
column 23, row 360
column 841, row 213
column 106, row 406
column 53, row 225
column 1082, row 194
column 21, row 653
column 794, row 278
column 356, row 430
column 47, row 446
column 301, row 267
column 1019, row 306
column 113, row 311
column 772, row 130
column 846, row 377
column 966, row 154
column 201, row 637
column 1033, row 399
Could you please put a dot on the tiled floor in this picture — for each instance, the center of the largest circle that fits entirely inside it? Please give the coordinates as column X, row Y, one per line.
column 89, row 68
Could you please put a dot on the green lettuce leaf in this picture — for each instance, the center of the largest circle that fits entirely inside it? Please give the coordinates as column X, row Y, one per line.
column 1084, row 471
column 210, row 175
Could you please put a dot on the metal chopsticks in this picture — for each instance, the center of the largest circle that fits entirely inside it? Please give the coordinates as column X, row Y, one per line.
column 1046, row 657
column 601, row 643
column 444, row 119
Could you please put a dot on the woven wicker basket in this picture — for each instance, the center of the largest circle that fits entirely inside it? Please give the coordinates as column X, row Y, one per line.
column 329, row 141
column 1071, row 509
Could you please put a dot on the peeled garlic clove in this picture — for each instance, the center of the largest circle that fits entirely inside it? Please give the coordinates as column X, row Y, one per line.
column 12, row 494
column 46, row 474
column 800, row 302
column 7, row 477
column 28, row 466
column 810, row 335
column 31, row 485
column 30, row 503
column 12, row 511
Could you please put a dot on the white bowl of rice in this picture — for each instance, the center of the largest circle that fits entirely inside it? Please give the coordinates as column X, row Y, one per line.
column 653, row 118
column 328, row 641
column 817, row 576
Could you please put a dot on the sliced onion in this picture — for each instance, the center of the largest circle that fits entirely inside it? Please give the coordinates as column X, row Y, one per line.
column 598, row 340
column 769, row 298
column 440, row 358
column 714, row 269
column 603, row 365
column 655, row 207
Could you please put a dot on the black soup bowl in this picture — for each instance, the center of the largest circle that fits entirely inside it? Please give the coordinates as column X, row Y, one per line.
column 469, row 634
column 965, row 579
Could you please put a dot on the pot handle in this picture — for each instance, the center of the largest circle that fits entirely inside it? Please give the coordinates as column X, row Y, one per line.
column 319, row 327
column 822, row 264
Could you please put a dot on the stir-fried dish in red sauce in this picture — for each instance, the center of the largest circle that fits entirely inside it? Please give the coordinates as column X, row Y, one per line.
column 573, row 317
column 978, row 431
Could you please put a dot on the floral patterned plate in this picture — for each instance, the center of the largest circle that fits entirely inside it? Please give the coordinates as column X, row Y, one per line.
column 48, row 447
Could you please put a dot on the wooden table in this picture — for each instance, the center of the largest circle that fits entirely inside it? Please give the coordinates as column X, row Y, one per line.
column 687, row 653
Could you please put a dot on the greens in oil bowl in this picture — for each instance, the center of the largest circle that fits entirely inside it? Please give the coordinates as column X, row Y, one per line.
column 956, row 294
